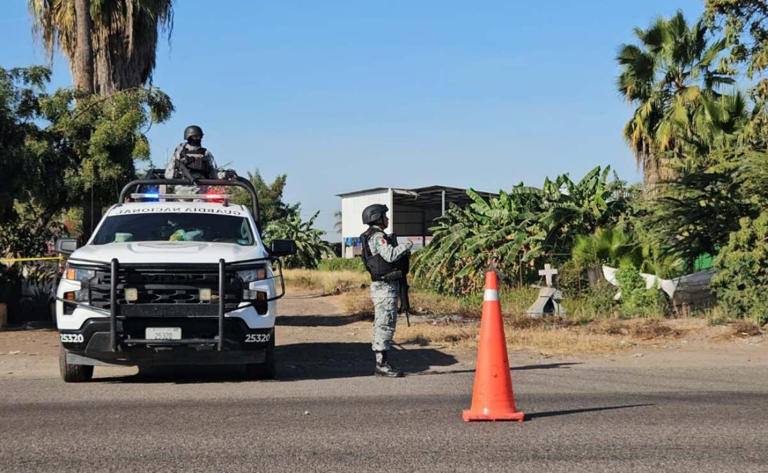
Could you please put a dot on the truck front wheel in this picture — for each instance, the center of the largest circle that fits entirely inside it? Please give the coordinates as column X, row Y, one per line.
column 73, row 373
column 265, row 370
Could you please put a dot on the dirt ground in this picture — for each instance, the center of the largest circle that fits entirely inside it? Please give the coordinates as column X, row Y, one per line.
column 309, row 318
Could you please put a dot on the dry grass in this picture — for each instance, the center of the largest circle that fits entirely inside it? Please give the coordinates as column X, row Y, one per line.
column 437, row 334
column 548, row 340
column 642, row 329
column 564, row 341
column 357, row 302
column 552, row 336
column 423, row 302
column 326, row 282
column 746, row 328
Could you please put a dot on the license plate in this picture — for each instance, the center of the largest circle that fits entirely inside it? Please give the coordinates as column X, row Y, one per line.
column 163, row 333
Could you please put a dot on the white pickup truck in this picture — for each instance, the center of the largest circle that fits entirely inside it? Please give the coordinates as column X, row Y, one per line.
column 171, row 279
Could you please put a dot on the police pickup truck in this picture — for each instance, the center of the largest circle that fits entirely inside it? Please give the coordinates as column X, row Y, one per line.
column 171, row 279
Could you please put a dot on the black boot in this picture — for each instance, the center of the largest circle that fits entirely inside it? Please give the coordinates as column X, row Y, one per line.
column 383, row 368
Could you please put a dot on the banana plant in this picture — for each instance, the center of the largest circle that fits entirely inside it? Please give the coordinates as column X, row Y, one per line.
column 513, row 231
column 310, row 248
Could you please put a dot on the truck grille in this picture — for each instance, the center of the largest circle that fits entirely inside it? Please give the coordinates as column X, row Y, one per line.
column 163, row 286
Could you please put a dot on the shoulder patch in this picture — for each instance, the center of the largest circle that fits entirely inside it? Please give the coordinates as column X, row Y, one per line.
column 382, row 241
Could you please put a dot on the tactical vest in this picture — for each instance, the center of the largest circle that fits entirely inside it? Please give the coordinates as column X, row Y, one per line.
column 194, row 160
column 378, row 266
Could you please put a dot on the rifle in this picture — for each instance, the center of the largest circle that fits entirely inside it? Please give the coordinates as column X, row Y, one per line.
column 185, row 172
column 405, row 303
column 401, row 275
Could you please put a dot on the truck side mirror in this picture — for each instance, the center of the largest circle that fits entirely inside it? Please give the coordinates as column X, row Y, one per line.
column 66, row 246
column 283, row 248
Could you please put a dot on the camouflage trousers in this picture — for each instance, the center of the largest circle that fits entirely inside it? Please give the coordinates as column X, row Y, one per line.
column 384, row 295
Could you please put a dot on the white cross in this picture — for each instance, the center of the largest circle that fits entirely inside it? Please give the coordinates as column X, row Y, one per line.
column 548, row 272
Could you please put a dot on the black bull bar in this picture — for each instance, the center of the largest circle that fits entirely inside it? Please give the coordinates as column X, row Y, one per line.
column 114, row 267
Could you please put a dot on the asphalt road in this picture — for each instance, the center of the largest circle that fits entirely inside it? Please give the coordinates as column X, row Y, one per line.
column 327, row 414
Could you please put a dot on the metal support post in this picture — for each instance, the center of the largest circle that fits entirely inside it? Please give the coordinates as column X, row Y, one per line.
column 113, row 305
column 423, row 228
column 443, row 203
column 222, row 295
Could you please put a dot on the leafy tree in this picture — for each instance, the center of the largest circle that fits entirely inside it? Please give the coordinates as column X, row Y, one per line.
column 25, row 169
column 744, row 24
column 665, row 78
column 282, row 220
column 309, row 244
column 746, row 27
column 61, row 152
column 110, row 44
column 696, row 211
column 100, row 138
column 29, row 233
column 271, row 205
column 741, row 281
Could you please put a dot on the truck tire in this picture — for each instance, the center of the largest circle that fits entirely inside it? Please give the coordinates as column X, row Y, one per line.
column 73, row 373
column 52, row 312
column 265, row 370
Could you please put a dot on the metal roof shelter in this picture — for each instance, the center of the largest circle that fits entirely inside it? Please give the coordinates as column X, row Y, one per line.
column 412, row 211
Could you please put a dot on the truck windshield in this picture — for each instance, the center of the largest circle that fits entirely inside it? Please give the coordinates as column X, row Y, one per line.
column 175, row 227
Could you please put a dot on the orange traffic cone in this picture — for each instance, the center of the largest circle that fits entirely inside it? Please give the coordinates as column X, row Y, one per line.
column 492, row 397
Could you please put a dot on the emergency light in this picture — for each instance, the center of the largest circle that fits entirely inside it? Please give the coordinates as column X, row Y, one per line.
column 155, row 197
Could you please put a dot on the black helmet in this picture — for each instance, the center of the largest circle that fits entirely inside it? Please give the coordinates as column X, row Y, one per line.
column 192, row 130
column 374, row 213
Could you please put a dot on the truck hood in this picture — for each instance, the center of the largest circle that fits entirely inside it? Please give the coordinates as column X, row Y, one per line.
column 169, row 252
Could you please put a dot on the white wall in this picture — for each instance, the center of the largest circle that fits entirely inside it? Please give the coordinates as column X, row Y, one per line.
column 352, row 212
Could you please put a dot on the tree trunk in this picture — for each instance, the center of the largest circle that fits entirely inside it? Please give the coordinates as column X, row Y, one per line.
column 82, row 66
column 83, row 78
column 125, row 56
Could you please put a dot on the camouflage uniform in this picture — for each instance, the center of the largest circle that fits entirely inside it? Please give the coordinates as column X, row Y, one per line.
column 170, row 170
column 385, row 293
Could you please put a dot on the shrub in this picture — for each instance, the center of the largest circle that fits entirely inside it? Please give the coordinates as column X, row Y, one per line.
column 341, row 264
column 636, row 300
column 595, row 303
column 741, row 281
column 572, row 279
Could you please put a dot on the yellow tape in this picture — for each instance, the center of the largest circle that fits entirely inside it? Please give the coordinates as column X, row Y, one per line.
column 16, row 260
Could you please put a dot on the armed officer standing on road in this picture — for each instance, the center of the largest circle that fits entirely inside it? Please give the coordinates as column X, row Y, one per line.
column 191, row 160
column 387, row 263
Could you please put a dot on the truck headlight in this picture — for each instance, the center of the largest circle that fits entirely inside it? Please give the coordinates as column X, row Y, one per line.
column 79, row 274
column 250, row 275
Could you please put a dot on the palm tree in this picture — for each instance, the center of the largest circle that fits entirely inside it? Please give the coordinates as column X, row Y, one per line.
column 665, row 77
column 110, row 44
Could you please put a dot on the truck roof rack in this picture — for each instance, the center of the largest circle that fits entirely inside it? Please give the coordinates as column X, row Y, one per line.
column 238, row 181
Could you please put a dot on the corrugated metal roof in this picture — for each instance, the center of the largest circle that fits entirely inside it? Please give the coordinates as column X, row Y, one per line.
column 419, row 191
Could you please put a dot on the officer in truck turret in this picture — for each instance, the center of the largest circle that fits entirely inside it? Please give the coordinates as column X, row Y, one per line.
column 386, row 261
column 191, row 161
